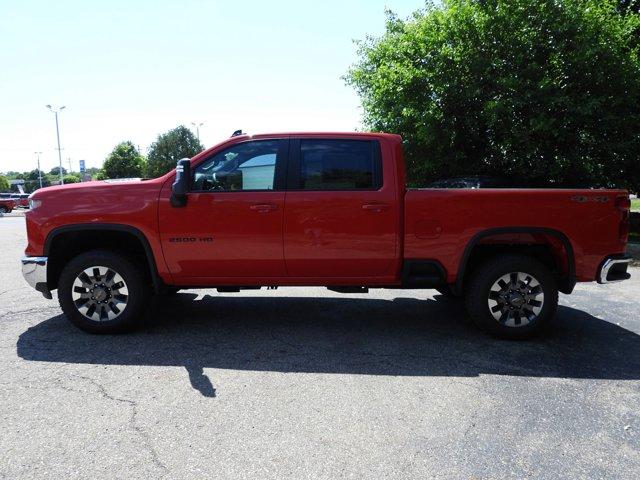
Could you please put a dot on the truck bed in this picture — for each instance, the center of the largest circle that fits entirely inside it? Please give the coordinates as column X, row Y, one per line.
column 441, row 223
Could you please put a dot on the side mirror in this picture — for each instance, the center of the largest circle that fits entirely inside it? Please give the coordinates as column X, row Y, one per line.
column 180, row 186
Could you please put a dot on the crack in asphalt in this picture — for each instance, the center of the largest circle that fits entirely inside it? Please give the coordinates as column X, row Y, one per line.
column 27, row 311
column 133, row 422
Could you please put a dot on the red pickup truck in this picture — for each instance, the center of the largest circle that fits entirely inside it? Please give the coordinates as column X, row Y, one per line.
column 324, row 209
column 7, row 205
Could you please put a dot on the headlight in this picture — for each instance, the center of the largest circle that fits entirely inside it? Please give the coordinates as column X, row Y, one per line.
column 34, row 203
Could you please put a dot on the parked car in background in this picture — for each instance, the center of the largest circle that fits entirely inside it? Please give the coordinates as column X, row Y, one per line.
column 21, row 199
column 7, row 205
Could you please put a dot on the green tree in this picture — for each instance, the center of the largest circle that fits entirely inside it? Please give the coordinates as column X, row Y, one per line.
column 55, row 171
column 32, row 181
column 71, row 179
column 538, row 90
column 4, row 184
column 169, row 148
column 124, row 162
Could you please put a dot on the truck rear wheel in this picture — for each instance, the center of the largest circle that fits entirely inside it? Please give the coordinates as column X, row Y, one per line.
column 102, row 292
column 512, row 296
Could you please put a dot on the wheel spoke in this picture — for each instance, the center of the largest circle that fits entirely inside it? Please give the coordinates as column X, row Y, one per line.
column 96, row 274
column 535, row 291
column 108, row 280
column 81, row 302
column 91, row 310
column 86, row 281
column 516, row 318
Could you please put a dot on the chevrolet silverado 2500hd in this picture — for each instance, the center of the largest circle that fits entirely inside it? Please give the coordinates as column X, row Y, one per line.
column 324, row 209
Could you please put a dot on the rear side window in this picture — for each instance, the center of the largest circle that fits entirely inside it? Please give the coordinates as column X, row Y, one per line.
column 339, row 165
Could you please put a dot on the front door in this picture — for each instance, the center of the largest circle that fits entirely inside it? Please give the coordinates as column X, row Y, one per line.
column 231, row 227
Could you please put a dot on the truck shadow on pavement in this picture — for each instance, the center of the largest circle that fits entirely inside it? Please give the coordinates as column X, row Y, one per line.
column 402, row 336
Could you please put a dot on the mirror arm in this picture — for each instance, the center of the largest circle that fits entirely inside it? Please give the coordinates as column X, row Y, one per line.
column 180, row 186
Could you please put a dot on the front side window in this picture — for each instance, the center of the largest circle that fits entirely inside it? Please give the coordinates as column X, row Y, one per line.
column 245, row 166
column 339, row 164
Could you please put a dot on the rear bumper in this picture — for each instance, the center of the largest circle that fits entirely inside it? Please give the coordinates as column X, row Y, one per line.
column 34, row 271
column 614, row 269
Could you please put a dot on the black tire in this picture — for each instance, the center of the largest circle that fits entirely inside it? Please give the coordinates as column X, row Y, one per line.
column 138, row 291
column 3, row 209
column 488, row 275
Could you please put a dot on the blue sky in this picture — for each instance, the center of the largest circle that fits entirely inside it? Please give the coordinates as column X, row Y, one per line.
column 132, row 69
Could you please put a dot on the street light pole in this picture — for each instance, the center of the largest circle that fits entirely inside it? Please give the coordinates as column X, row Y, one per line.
column 55, row 112
column 39, row 171
column 197, row 125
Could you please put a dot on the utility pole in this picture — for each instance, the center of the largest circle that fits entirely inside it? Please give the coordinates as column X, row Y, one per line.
column 39, row 171
column 197, row 125
column 55, row 112
column 69, row 160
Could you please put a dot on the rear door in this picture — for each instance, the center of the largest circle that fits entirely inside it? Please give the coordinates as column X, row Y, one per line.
column 341, row 212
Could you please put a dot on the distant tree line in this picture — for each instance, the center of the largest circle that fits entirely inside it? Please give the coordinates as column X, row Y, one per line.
column 124, row 161
column 31, row 179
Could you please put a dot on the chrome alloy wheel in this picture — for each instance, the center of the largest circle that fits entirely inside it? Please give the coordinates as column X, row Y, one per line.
column 516, row 299
column 100, row 293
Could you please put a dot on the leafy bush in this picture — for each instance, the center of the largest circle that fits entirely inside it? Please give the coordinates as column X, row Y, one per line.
column 71, row 179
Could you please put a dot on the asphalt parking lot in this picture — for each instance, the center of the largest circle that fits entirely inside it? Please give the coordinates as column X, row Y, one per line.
column 307, row 383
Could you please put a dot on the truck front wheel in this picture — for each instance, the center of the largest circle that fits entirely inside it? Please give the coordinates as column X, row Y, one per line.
column 512, row 296
column 102, row 292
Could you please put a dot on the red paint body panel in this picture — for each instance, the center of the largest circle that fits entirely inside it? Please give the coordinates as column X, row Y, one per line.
column 348, row 234
column 131, row 203
column 591, row 226
column 8, row 204
column 227, row 236
column 327, row 237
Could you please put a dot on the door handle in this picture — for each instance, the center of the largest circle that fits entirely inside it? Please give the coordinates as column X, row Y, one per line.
column 375, row 207
column 264, row 207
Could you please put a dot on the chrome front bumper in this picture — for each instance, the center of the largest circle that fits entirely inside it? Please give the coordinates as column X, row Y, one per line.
column 34, row 271
column 614, row 270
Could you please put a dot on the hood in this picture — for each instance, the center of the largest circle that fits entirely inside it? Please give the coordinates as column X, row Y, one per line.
column 82, row 187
